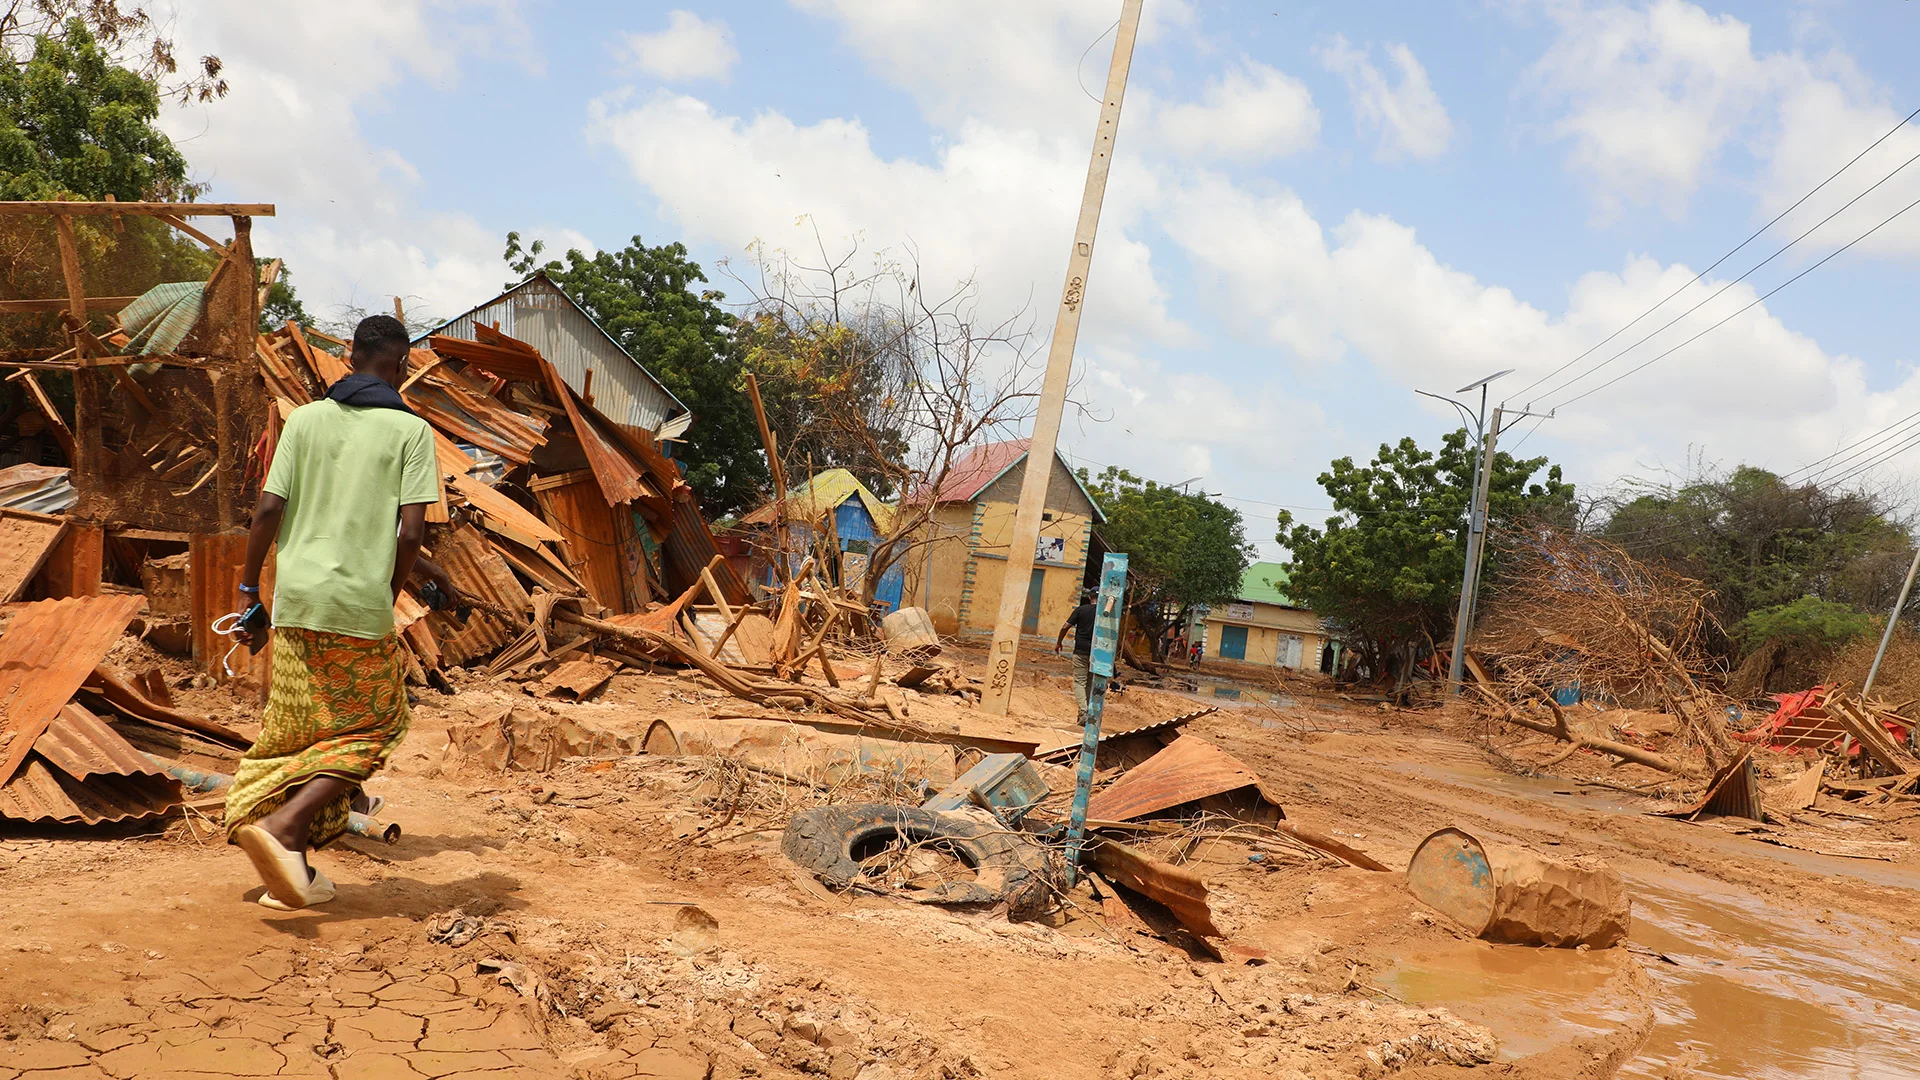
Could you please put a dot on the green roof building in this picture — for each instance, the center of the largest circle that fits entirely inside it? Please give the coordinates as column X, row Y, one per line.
column 1263, row 625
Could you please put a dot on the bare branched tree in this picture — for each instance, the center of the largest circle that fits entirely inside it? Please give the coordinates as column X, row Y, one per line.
column 862, row 368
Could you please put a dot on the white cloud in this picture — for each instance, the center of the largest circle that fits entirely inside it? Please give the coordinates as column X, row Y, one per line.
column 1409, row 118
column 1030, row 63
column 994, row 205
column 1654, row 97
column 351, row 223
column 1251, row 113
column 1368, row 291
column 1650, row 96
column 689, row 48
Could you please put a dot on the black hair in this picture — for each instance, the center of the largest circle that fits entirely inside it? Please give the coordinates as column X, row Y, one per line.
column 378, row 337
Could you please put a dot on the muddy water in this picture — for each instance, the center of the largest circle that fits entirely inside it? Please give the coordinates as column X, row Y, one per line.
column 1752, row 994
column 1742, row 991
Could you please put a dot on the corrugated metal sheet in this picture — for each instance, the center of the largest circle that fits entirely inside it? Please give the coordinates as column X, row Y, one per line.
column 48, row 651
column 82, row 771
column 1189, row 769
column 1068, row 747
column 106, row 690
column 689, row 548
column 43, row 489
column 578, row 510
column 458, row 402
column 539, row 313
column 478, row 571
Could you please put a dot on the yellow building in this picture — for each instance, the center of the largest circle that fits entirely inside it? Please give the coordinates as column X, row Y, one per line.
column 1264, row 626
column 964, row 562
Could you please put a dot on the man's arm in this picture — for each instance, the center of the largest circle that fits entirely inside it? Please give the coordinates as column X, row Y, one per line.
column 428, row 570
column 413, row 533
column 266, row 528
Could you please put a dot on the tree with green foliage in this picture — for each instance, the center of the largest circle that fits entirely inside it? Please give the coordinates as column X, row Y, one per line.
column 80, row 90
column 1386, row 571
column 72, row 122
column 1184, row 549
column 1765, row 545
column 1808, row 623
column 645, row 298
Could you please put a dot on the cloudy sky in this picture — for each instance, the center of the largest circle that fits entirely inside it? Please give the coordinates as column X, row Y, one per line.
column 1315, row 209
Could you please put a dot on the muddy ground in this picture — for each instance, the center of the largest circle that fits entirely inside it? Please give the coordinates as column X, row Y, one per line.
column 546, row 925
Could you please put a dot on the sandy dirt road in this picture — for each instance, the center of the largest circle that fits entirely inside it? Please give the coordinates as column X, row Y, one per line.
column 534, row 925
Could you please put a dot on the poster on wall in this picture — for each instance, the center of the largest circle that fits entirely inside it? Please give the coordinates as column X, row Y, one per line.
column 1051, row 549
column 1240, row 609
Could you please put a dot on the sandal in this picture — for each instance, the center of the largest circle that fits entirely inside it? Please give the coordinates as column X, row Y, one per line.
column 286, row 874
column 319, row 891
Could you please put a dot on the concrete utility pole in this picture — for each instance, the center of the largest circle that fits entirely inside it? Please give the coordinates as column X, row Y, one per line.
column 1005, row 652
column 1476, row 543
column 1892, row 618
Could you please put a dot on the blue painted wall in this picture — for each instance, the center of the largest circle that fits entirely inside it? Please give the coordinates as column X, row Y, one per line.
column 854, row 526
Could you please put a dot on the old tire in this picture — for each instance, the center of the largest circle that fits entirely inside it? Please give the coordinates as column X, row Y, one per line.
column 1006, row 865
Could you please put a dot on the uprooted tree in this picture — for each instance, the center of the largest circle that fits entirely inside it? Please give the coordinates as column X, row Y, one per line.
column 861, row 367
column 1386, row 569
column 1184, row 550
column 1571, row 611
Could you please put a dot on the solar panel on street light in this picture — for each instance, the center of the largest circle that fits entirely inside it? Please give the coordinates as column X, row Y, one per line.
column 1477, row 385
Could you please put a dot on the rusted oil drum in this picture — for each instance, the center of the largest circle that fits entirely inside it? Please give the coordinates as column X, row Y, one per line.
column 1515, row 896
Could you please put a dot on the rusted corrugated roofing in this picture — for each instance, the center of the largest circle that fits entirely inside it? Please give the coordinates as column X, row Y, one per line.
column 1114, row 731
column 48, row 651
column 478, row 571
column 81, row 770
column 689, row 548
column 103, row 687
column 1190, row 768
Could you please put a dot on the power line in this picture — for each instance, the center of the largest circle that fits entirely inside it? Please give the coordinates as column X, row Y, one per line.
column 1756, row 303
column 1716, row 293
column 1870, row 436
column 1892, row 431
column 1702, row 274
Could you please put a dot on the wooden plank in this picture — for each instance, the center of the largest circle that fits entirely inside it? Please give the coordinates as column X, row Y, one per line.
column 57, row 423
column 70, row 266
column 100, row 303
column 26, row 540
column 330, row 368
column 102, row 209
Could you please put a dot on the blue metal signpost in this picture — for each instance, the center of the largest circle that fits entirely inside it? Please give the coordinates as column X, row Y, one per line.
column 1107, row 609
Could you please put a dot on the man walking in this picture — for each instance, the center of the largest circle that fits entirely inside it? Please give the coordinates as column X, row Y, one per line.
column 346, row 500
column 1081, row 623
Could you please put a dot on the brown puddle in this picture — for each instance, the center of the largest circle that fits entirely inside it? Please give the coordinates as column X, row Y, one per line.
column 1533, row 999
column 1750, row 994
column 1760, row 996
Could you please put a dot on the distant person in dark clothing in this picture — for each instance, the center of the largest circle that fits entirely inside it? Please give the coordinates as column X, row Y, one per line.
column 1081, row 623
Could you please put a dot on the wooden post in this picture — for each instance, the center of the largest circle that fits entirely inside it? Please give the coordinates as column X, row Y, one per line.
column 86, row 388
column 1004, row 655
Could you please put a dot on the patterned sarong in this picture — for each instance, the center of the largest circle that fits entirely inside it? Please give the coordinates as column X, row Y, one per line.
column 337, row 707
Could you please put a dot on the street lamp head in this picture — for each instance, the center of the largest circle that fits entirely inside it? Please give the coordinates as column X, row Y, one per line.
column 1477, row 384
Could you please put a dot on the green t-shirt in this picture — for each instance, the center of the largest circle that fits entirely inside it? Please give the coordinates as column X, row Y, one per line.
column 345, row 471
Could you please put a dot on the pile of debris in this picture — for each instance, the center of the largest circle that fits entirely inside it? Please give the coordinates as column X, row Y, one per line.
column 80, row 744
column 1575, row 619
